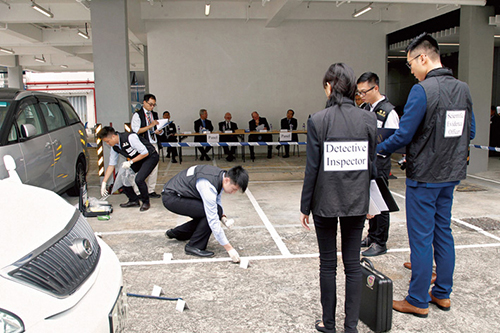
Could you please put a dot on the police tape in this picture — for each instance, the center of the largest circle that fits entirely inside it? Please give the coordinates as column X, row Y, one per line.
column 230, row 144
column 497, row 149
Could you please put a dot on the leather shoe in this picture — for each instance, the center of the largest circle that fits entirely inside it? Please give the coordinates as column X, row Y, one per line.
column 207, row 158
column 322, row 328
column 405, row 307
column 154, row 195
column 193, row 251
column 174, row 160
column 130, row 204
column 202, row 158
column 407, row 265
column 367, row 241
column 375, row 250
column 145, row 206
column 443, row 303
column 170, row 234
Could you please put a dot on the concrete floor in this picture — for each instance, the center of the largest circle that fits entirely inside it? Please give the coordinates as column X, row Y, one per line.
column 279, row 292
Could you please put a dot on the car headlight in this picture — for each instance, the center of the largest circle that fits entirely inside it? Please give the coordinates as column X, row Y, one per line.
column 10, row 323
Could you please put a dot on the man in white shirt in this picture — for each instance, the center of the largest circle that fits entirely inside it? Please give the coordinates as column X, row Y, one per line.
column 387, row 117
column 144, row 122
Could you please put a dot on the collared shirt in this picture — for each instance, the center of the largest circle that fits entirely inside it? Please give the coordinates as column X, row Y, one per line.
column 135, row 143
column 211, row 199
column 135, row 123
column 392, row 118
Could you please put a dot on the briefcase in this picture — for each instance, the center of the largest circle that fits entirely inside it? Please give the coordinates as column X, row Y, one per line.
column 376, row 298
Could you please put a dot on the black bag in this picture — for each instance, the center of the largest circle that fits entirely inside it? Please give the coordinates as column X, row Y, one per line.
column 376, row 298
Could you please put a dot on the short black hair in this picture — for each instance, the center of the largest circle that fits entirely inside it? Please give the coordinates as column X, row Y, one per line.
column 166, row 112
column 293, row 112
column 105, row 132
column 238, row 176
column 425, row 42
column 147, row 97
column 369, row 77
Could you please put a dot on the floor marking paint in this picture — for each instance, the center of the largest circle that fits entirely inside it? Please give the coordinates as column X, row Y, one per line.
column 277, row 239
column 485, row 179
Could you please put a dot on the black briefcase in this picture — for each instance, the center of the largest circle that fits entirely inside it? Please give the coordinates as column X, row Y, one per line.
column 376, row 298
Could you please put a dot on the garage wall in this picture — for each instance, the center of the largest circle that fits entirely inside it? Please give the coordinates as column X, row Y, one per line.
column 238, row 66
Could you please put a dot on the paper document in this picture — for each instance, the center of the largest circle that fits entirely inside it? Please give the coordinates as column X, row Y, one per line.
column 162, row 123
column 260, row 127
column 376, row 198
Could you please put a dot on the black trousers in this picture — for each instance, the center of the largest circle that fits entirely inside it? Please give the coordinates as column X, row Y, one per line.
column 351, row 229
column 229, row 151
column 197, row 230
column 379, row 225
column 147, row 166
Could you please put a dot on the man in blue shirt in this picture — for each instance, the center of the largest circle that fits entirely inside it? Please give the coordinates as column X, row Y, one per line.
column 436, row 128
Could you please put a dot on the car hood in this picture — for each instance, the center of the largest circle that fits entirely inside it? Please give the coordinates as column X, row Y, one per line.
column 29, row 217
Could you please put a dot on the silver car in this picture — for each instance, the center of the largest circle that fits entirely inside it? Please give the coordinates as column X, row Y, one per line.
column 46, row 138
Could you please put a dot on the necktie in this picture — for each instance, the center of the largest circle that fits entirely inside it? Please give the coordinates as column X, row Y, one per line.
column 227, row 126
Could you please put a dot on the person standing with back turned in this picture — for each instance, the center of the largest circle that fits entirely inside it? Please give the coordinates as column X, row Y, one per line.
column 436, row 128
column 337, row 187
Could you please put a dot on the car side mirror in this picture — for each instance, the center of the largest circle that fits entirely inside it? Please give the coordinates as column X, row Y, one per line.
column 10, row 165
column 28, row 130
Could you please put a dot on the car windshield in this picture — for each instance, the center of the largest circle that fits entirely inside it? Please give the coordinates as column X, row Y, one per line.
column 4, row 107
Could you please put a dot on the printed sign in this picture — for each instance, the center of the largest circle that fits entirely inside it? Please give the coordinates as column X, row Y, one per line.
column 212, row 138
column 345, row 155
column 454, row 126
column 285, row 136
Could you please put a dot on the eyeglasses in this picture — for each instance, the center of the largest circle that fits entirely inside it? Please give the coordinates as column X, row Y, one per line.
column 151, row 104
column 408, row 63
column 363, row 93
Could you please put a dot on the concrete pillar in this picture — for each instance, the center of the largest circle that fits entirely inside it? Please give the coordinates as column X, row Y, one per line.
column 111, row 61
column 146, row 70
column 475, row 66
column 15, row 75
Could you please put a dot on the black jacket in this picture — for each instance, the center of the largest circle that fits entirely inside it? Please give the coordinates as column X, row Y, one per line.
column 338, row 193
column 144, row 123
column 208, row 126
column 259, row 137
column 228, row 138
column 169, row 132
column 286, row 125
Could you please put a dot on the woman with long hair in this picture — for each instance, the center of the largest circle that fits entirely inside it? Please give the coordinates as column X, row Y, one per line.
column 341, row 142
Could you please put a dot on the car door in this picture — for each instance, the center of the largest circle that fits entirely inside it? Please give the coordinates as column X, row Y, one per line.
column 63, row 142
column 36, row 149
column 9, row 140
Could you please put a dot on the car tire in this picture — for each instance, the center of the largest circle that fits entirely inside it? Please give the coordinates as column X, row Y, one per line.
column 80, row 178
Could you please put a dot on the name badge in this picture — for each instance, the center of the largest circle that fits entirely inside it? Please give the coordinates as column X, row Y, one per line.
column 285, row 136
column 228, row 131
column 345, row 155
column 212, row 138
column 454, row 126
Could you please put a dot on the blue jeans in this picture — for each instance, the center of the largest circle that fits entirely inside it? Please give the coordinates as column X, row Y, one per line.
column 351, row 229
column 428, row 215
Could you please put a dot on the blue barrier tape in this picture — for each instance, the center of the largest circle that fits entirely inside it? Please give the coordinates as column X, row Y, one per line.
column 486, row 148
column 229, row 144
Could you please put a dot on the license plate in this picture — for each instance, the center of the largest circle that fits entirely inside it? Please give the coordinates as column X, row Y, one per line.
column 118, row 315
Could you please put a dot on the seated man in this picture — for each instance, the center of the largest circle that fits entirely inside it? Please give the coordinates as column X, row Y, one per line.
column 289, row 123
column 228, row 125
column 142, row 158
column 201, row 125
column 196, row 192
column 168, row 135
column 256, row 124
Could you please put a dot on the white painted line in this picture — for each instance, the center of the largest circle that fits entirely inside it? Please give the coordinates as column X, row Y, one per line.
column 398, row 195
column 273, row 181
column 485, row 179
column 277, row 239
column 276, row 257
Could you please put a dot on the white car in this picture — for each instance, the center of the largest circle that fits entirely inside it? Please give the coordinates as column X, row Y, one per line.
column 55, row 274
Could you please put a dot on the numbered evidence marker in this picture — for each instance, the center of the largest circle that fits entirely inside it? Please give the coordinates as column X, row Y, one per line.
column 244, row 262
column 181, row 305
column 156, row 291
column 167, row 256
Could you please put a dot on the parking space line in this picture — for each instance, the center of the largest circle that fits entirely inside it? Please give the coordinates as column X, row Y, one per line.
column 485, row 179
column 290, row 256
column 468, row 225
column 277, row 239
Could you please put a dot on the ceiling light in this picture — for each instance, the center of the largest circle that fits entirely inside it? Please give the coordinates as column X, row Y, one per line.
column 42, row 10
column 449, row 44
column 363, row 10
column 497, row 36
column 42, row 59
column 84, row 34
column 11, row 51
column 207, row 9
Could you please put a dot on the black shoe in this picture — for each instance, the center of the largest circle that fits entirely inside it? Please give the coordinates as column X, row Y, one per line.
column 269, row 156
column 208, row 158
column 202, row 158
column 322, row 328
column 229, row 158
column 197, row 252
column 286, row 156
column 154, row 195
column 130, row 204
column 174, row 160
column 367, row 241
column 170, row 234
column 375, row 250
column 145, row 206
column 168, row 155
column 252, row 157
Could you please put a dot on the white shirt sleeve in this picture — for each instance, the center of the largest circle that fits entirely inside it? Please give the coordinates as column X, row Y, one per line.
column 135, row 123
column 392, row 120
column 210, row 199
column 137, row 144
column 113, row 157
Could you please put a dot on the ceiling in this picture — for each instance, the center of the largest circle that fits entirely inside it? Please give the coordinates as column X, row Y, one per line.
column 30, row 34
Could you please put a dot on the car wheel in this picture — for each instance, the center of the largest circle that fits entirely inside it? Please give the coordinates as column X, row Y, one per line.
column 80, row 178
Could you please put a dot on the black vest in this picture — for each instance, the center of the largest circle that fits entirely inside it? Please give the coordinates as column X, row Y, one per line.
column 382, row 110
column 128, row 151
column 432, row 157
column 184, row 183
column 144, row 123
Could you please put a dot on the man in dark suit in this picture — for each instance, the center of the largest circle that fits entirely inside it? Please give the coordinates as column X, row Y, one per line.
column 201, row 126
column 256, row 124
column 168, row 135
column 228, row 125
column 289, row 123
